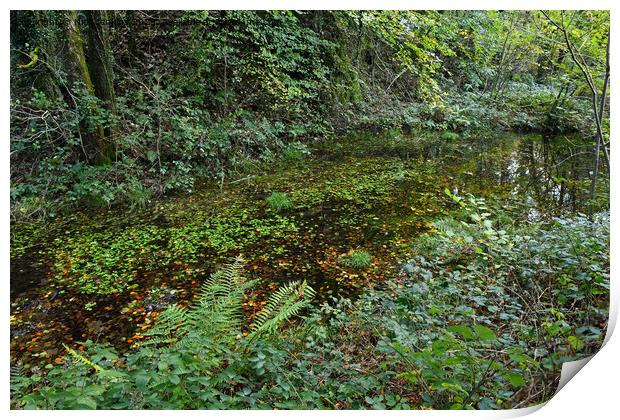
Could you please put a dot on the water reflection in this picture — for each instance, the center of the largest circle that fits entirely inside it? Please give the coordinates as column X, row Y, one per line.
column 550, row 175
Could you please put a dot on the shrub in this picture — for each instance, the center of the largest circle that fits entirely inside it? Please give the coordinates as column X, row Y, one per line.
column 449, row 136
column 483, row 317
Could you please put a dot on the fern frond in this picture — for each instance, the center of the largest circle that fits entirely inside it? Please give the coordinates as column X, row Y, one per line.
column 168, row 327
column 15, row 372
column 285, row 303
column 83, row 360
column 448, row 227
column 218, row 309
column 222, row 282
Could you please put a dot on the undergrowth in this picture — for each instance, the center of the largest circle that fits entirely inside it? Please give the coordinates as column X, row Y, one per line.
column 483, row 316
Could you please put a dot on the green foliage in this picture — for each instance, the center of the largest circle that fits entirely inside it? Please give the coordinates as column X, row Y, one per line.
column 83, row 360
column 190, row 360
column 219, row 90
column 295, row 151
column 98, row 264
column 449, row 136
column 463, row 329
column 356, row 259
column 218, row 308
column 279, row 201
column 284, row 303
column 97, row 261
column 484, row 313
column 217, row 312
column 466, row 326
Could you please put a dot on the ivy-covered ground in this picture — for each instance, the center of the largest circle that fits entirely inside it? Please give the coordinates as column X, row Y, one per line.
column 372, row 219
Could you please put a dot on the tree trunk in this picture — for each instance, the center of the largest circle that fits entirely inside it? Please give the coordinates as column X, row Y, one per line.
column 601, row 109
column 78, row 73
column 76, row 58
column 48, row 82
column 598, row 112
column 100, row 58
column 100, row 66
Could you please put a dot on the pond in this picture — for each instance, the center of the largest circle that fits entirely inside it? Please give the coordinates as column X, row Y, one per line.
column 105, row 275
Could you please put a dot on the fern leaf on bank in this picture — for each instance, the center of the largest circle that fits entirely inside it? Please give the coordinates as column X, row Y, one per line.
column 83, row 360
column 285, row 303
column 169, row 326
column 217, row 312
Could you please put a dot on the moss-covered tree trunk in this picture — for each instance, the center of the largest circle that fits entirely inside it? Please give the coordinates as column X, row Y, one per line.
column 100, row 58
column 78, row 73
column 100, row 62
column 76, row 57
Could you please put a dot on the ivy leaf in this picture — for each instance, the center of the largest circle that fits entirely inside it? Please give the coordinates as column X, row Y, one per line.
column 464, row 330
column 88, row 402
column 141, row 380
column 484, row 333
column 515, row 379
column 151, row 155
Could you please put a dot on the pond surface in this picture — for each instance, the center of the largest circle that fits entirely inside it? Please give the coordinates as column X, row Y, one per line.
column 105, row 276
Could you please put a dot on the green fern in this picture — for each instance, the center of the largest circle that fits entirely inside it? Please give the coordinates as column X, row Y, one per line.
column 219, row 307
column 15, row 371
column 449, row 228
column 218, row 310
column 285, row 303
column 167, row 330
column 83, row 360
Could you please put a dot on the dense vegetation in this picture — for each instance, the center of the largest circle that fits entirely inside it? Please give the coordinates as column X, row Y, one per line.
column 308, row 209
column 122, row 107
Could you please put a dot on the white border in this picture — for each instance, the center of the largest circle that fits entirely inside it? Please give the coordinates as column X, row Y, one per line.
column 593, row 393
column 313, row 5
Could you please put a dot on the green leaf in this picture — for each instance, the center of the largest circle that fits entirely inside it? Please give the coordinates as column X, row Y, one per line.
column 516, row 355
column 484, row 333
column 151, row 155
column 464, row 330
column 141, row 380
column 87, row 401
column 94, row 390
column 515, row 379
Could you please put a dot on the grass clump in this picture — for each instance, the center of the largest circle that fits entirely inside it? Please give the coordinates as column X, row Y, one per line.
column 356, row 259
column 279, row 201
